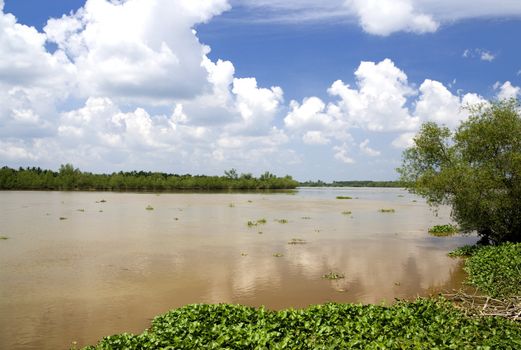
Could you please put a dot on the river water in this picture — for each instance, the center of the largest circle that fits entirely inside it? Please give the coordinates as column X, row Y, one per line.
column 78, row 266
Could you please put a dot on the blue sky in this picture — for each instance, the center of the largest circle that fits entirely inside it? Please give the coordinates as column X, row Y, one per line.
column 319, row 90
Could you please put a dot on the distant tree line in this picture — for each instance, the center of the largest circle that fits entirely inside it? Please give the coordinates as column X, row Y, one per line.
column 367, row 183
column 69, row 178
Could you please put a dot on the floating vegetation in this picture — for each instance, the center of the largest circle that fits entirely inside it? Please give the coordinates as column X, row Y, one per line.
column 343, row 197
column 401, row 196
column 414, row 201
column 306, row 218
column 250, row 201
column 251, row 223
column 282, row 221
column 443, row 230
column 389, row 210
column 231, row 205
column 465, row 251
column 278, row 255
column 295, row 241
column 80, row 210
column 333, row 276
column 3, row 238
column 63, row 218
column 101, row 211
column 176, row 219
column 346, row 212
column 244, row 254
column 103, row 201
column 260, row 232
column 149, row 207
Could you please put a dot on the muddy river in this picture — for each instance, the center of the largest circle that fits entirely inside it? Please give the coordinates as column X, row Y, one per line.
column 77, row 266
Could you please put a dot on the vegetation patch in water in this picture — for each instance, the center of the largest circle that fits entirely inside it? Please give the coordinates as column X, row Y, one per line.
column 282, row 221
column 465, row 251
column 443, row 230
column 252, row 223
column 297, row 241
column 278, row 255
column 422, row 324
column 387, row 210
column 3, row 238
column 149, row 207
column 306, row 218
column 346, row 212
column 333, row 276
column 63, row 218
column 343, row 197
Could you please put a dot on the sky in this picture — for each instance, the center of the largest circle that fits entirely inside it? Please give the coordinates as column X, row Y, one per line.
column 330, row 90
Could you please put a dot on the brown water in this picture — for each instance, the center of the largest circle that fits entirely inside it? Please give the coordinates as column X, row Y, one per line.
column 110, row 267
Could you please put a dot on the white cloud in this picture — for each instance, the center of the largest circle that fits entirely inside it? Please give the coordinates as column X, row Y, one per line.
column 507, row 90
column 379, row 102
column 342, row 154
column 405, row 140
column 487, row 56
column 315, row 138
column 368, row 151
column 383, row 17
column 482, row 54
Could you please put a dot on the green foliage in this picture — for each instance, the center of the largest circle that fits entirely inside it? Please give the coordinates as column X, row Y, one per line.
column 69, row 178
column 251, row 223
column 422, row 324
column 333, row 276
column 465, row 251
column 343, row 197
column 443, row 230
column 476, row 170
column 496, row 270
column 389, row 210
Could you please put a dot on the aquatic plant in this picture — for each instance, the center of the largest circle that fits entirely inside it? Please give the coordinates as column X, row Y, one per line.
column 343, row 197
column 80, row 210
column 465, row 251
column 63, row 218
column 443, row 230
column 390, row 210
column 3, row 238
column 282, row 221
column 306, row 218
column 333, row 276
column 278, row 255
column 421, row 324
column 231, row 205
column 149, row 207
column 251, row 223
column 346, row 212
column 297, row 241
column 103, row 201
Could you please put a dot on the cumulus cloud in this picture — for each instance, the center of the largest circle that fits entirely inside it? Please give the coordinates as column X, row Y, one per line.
column 507, row 90
column 368, row 151
column 482, row 54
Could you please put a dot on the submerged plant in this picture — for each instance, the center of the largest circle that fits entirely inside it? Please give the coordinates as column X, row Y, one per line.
column 443, row 230
column 333, row 276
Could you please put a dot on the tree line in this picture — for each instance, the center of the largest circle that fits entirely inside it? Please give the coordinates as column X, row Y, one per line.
column 69, row 178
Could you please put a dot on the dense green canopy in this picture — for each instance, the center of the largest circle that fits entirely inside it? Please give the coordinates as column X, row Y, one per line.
column 476, row 170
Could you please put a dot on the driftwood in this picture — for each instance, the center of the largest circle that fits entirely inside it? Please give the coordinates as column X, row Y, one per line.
column 482, row 305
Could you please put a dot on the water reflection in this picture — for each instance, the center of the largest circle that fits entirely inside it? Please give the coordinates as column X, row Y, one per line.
column 113, row 266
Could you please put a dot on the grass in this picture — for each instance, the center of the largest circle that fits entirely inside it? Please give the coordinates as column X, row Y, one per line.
column 333, row 276
column 421, row 324
column 443, row 230
column 149, row 207
column 343, row 197
column 294, row 241
column 389, row 210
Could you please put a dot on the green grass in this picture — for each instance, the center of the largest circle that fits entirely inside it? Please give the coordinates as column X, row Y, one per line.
column 343, row 197
column 443, row 230
column 422, row 324
column 333, row 276
column 496, row 270
column 389, row 210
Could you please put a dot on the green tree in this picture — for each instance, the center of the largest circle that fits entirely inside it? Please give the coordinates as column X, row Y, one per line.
column 476, row 170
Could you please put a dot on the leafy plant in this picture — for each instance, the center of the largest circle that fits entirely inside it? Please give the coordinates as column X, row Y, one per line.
column 496, row 270
column 422, row 324
column 443, row 230
column 333, row 276
column 465, row 251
